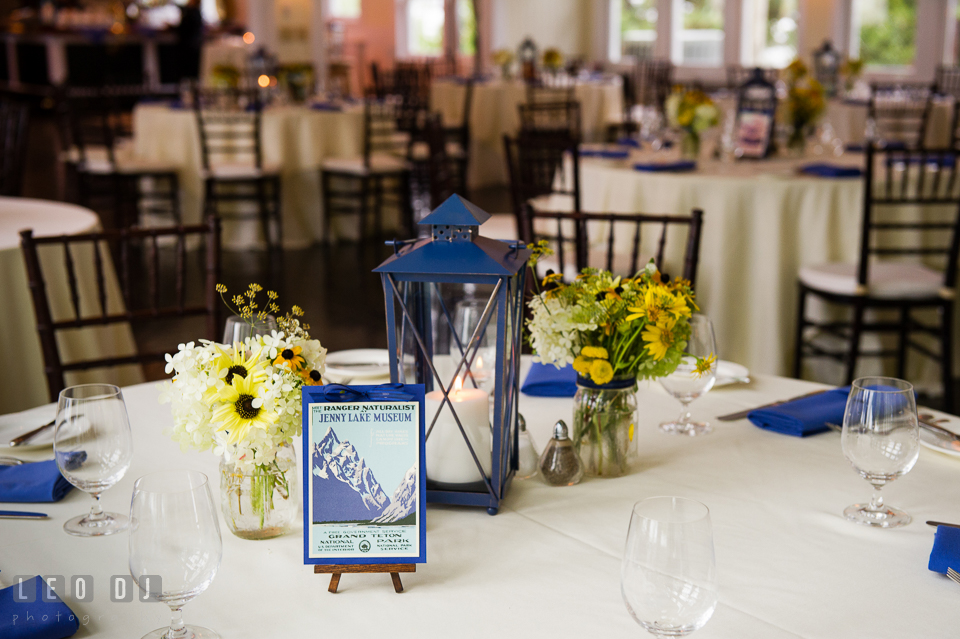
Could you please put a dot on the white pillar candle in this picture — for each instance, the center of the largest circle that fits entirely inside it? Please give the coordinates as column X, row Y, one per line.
column 448, row 458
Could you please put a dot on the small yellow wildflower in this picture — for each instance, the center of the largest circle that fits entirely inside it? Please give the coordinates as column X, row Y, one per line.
column 705, row 365
column 595, row 352
column 221, row 288
column 601, row 372
column 582, row 365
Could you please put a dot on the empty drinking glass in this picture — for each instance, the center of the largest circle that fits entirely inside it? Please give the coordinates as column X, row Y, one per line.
column 881, row 439
column 238, row 329
column 175, row 545
column 668, row 577
column 93, row 446
column 687, row 382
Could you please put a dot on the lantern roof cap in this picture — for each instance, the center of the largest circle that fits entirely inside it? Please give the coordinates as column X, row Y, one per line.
column 456, row 211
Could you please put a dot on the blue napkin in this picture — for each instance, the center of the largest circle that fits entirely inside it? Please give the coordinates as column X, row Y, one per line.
column 831, row 170
column 546, row 380
column 946, row 550
column 38, row 619
column 682, row 165
column 610, row 154
column 326, row 106
column 38, row 482
column 628, row 141
column 803, row 417
column 854, row 148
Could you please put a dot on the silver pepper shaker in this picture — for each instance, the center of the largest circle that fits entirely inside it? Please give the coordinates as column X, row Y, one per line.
column 560, row 464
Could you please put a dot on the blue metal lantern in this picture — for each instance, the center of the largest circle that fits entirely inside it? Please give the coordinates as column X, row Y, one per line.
column 826, row 67
column 454, row 303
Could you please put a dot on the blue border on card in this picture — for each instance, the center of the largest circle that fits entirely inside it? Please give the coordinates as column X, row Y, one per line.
column 314, row 395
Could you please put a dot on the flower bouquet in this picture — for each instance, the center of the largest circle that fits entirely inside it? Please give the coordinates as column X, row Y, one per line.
column 503, row 58
column 552, row 60
column 613, row 331
column 693, row 112
column 242, row 401
column 851, row 70
column 805, row 103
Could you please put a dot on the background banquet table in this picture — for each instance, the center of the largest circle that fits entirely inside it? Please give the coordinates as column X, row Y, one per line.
column 494, row 113
column 762, row 222
column 22, row 380
column 296, row 139
column 548, row 565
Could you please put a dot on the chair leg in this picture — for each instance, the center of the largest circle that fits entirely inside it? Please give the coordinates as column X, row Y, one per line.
column 378, row 208
column 209, row 199
column 264, row 212
column 364, row 196
column 277, row 214
column 406, row 205
column 175, row 198
column 946, row 354
column 903, row 336
column 326, row 199
column 801, row 324
column 856, row 329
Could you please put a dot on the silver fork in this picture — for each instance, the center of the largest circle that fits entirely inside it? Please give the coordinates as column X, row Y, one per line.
column 953, row 574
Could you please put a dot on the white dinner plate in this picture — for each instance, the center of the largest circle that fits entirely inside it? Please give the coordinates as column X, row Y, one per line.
column 12, row 426
column 939, row 444
column 730, row 373
column 366, row 364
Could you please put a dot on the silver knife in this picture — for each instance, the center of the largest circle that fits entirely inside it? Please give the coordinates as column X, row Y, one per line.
column 19, row 514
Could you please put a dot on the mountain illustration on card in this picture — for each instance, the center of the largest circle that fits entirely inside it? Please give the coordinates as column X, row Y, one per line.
column 403, row 505
column 344, row 487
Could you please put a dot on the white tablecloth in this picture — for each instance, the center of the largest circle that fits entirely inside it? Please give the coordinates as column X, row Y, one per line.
column 22, row 381
column 494, row 113
column 296, row 139
column 548, row 565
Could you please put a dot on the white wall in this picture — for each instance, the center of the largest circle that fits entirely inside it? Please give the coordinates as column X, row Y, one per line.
column 563, row 24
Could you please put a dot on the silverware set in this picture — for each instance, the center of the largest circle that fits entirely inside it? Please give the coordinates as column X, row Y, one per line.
column 20, row 440
column 953, row 574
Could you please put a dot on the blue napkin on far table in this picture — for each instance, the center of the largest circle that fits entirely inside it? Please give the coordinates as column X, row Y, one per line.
column 546, row 380
column 326, row 106
column 673, row 167
column 605, row 153
column 803, row 417
column 37, row 619
column 628, row 141
column 37, row 482
column 831, row 170
column 946, row 550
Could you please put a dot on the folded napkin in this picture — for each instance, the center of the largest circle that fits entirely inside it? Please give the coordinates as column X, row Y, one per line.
column 546, row 380
column 607, row 153
column 628, row 141
column 946, row 550
column 326, row 106
column 854, row 148
column 803, row 417
column 37, row 482
column 831, row 170
column 37, row 619
column 682, row 165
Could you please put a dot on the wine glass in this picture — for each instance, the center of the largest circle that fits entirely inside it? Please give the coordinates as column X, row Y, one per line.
column 175, row 545
column 687, row 383
column 237, row 329
column 668, row 577
column 93, row 446
column 881, row 439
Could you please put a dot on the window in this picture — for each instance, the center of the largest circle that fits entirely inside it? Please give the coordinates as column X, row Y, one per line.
column 425, row 27
column 638, row 27
column 466, row 27
column 885, row 32
column 775, row 30
column 344, row 8
column 700, row 42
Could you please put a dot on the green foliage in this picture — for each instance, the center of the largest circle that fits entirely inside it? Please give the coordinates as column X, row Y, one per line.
column 633, row 15
column 891, row 41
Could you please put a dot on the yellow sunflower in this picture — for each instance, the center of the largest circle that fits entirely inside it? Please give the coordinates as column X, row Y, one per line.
column 231, row 365
column 659, row 339
column 290, row 357
column 311, row 377
column 242, row 409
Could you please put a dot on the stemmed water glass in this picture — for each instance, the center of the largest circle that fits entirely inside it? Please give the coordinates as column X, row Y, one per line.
column 93, row 446
column 668, row 577
column 237, row 329
column 881, row 439
column 687, row 383
column 175, row 545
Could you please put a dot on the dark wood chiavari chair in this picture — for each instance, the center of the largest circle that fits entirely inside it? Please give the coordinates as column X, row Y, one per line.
column 109, row 177
column 900, row 113
column 14, row 120
column 535, row 163
column 652, row 80
column 148, row 295
column 458, row 141
column 433, row 174
column 582, row 240
column 551, row 118
column 551, row 89
column 382, row 173
column 947, row 81
column 738, row 75
column 922, row 273
column 229, row 125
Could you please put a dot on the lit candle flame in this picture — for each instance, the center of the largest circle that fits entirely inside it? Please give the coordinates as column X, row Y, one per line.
column 458, row 384
column 479, row 362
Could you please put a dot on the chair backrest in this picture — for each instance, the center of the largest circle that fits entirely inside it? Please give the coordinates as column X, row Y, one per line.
column 440, row 172
column 134, row 257
column 14, row 120
column 380, row 128
column 542, row 164
column 899, row 113
column 613, row 241
column 927, row 183
column 551, row 117
column 738, row 75
column 96, row 123
column 461, row 134
column 947, row 81
column 229, row 125
column 539, row 92
column 652, row 81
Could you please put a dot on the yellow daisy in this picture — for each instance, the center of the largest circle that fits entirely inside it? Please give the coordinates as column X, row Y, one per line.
column 659, row 339
column 601, row 372
column 311, row 378
column 655, row 301
column 290, row 357
column 242, row 409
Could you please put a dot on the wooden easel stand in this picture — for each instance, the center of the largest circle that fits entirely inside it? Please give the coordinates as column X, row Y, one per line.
column 393, row 569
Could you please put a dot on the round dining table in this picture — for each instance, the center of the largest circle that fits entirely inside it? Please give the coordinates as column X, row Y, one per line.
column 548, row 565
column 23, row 383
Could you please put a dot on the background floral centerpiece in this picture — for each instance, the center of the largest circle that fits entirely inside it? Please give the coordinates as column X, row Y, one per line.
column 552, row 60
column 850, row 71
column 613, row 331
column 693, row 112
column 503, row 58
column 806, row 102
column 242, row 401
